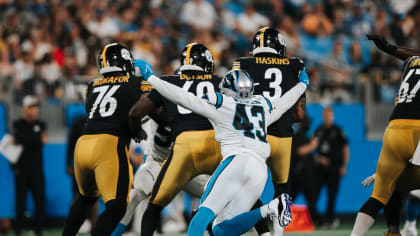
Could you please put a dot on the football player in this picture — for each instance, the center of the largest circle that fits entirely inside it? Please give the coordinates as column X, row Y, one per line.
column 187, row 160
column 274, row 74
column 393, row 208
column 101, row 162
column 400, row 140
column 195, row 150
column 240, row 121
column 158, row 146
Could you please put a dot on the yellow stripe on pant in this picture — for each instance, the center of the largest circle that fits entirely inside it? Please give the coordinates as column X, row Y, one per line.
column 193, row 153
column 399, row 143
column 102, row 167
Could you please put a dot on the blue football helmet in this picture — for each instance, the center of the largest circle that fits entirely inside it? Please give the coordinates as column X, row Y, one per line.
column 238, row 84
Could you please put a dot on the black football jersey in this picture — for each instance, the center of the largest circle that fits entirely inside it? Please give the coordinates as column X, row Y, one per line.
column 407, row 104
column 179, row 118
column 108, row 102
column 273, row 76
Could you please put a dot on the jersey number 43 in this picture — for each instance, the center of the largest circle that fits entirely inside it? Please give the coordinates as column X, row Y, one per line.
column 251, row 127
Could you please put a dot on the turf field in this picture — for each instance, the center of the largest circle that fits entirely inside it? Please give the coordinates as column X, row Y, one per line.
column 343, row 230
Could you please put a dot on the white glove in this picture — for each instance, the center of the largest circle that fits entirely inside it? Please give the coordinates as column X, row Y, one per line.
column 369, row 180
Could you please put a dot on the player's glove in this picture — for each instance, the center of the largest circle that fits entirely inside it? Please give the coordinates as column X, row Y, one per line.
column 144, row 67
column 139, row 135
column 369, row 180
column 303, row 77
column 382, row 43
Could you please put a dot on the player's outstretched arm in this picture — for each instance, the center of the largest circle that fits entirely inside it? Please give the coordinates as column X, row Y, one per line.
column 401, row 52
column 288, row 100
column 174, row 93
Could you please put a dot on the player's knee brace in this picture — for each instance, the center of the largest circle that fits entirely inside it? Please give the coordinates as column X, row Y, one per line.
column 372, row 207
column 116, row 208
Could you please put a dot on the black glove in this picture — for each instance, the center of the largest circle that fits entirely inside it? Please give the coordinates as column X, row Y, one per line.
column 139, row 135
column 382, row 44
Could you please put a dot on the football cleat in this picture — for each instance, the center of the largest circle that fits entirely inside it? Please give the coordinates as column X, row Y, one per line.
column 285, row 216
column 409, row 229
column 279, row 209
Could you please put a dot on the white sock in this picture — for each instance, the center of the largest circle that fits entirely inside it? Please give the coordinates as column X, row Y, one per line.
column 136, row 197
column 269, row 208
column 277, row 229
column 362, row 224
column 264, row 211
column 410, row 223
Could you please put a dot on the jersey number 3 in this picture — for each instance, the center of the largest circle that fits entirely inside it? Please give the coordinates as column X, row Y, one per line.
column 275, row 89
column 107, row 104
column 242, row 122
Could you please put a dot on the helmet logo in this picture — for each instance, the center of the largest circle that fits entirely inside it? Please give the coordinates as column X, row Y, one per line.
column 281, row 39
column 209, row 57
column 125, row 54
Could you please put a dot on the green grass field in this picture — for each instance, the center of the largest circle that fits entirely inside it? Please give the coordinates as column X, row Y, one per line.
column 343, row 230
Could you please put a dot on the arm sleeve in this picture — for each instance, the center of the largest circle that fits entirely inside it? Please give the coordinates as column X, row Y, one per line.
column 182, row 97
column 285, row 102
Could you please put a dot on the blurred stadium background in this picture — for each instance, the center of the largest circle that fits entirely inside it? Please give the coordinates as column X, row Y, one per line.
column 49, row 49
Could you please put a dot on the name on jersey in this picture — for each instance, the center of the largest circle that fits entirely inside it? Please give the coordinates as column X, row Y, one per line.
column 272, row 61
column 415, row 63
column 112, row 80
column 196, row 77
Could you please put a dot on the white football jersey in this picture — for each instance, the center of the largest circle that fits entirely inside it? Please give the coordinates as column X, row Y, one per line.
column 240, row 125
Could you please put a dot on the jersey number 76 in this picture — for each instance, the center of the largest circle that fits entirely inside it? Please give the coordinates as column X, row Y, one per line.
column 107, row 104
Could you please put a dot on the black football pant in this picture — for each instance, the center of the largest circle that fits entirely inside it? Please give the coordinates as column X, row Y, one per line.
column 331, row 178
column 303, row 182
column 30, row 180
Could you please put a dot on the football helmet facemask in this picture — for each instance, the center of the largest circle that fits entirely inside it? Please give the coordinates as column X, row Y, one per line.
column 238, row 84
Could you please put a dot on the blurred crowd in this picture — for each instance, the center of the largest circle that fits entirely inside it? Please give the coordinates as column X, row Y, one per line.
column 49, row 48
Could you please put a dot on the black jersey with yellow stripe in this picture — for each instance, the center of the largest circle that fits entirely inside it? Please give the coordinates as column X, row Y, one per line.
column 108, row 102
column 407, row 103
column 273, row 75
column 179, row 118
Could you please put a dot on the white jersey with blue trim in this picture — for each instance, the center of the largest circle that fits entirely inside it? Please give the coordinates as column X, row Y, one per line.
column 240, row 125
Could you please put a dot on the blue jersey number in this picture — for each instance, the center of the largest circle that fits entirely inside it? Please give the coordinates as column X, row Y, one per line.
column 242, row 122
